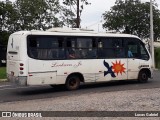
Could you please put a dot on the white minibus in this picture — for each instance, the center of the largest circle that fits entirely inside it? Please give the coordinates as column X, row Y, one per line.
column 71, row 56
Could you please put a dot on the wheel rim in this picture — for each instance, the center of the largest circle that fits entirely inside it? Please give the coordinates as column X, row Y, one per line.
column 73, row 82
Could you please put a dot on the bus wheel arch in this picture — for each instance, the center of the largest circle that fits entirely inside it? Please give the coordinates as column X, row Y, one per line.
column 73, row 81
column 143, row 75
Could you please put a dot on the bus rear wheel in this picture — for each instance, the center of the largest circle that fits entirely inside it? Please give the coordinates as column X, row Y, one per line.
column 73, row 82
column 143, row 76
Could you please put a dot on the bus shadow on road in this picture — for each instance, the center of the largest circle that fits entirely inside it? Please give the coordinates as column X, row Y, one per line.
column 89, row 87
column 117, row 85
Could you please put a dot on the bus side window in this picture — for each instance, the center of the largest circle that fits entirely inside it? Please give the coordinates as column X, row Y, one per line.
column 71, row 54
column 33, row 48
column 60, row 48
column 100, row 49
column 133, row 49
column 143, row 52
column 70, row 51
column 119, row 48
column 105, row 49
column 92, row 52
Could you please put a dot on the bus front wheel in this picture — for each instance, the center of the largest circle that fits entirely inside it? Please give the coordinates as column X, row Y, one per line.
column 143, row 76
column 72, row 82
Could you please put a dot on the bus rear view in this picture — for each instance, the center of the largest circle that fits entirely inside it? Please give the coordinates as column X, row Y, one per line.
column 16, row 59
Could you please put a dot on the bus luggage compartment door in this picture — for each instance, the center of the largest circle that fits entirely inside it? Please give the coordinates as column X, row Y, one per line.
column 41, row 72
column 40, row 78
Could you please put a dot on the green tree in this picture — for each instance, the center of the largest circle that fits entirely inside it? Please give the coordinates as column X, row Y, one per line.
column 72, row 11
column 2, row 15
column 8, row 20
column 4, row 35
column 38, row 14
column 132, row 17
column 8, row 16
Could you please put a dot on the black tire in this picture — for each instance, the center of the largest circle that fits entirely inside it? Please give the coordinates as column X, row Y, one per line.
column 143, row 76
column 72, row 82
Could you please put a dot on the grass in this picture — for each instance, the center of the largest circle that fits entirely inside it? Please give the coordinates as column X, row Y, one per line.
column 2, row 73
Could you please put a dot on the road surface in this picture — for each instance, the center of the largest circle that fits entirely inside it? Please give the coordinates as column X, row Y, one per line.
column 10, row 93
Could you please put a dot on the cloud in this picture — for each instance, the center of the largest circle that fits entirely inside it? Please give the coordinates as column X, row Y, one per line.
column 92, row 14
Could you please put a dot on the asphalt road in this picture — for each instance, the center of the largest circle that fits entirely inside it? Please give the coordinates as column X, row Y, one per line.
column 10, row 93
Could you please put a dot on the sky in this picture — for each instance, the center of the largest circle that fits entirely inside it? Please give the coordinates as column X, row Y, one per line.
column 92, row 14
column 91, row 17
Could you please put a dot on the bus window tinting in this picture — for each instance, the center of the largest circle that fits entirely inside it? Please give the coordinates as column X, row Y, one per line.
column 81, row 48
column 143, row 52
column 137, row 49
column 111, row 48
column 70, row 48
column 45, row 48
column 55, row 47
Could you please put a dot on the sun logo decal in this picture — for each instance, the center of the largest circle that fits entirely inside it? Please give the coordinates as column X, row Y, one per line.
column 118, row 67
column 109, row 69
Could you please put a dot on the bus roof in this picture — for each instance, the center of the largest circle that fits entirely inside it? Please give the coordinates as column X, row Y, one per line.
column 73, row 32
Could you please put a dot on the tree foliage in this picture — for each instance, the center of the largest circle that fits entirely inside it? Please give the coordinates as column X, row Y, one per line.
column 71, row 11
column 37, row 14
column 132, row 17
column 7, row 20
column 8, row 16
column 28, row 15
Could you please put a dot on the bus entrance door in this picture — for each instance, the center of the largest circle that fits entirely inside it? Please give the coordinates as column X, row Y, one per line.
column 133, row 68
